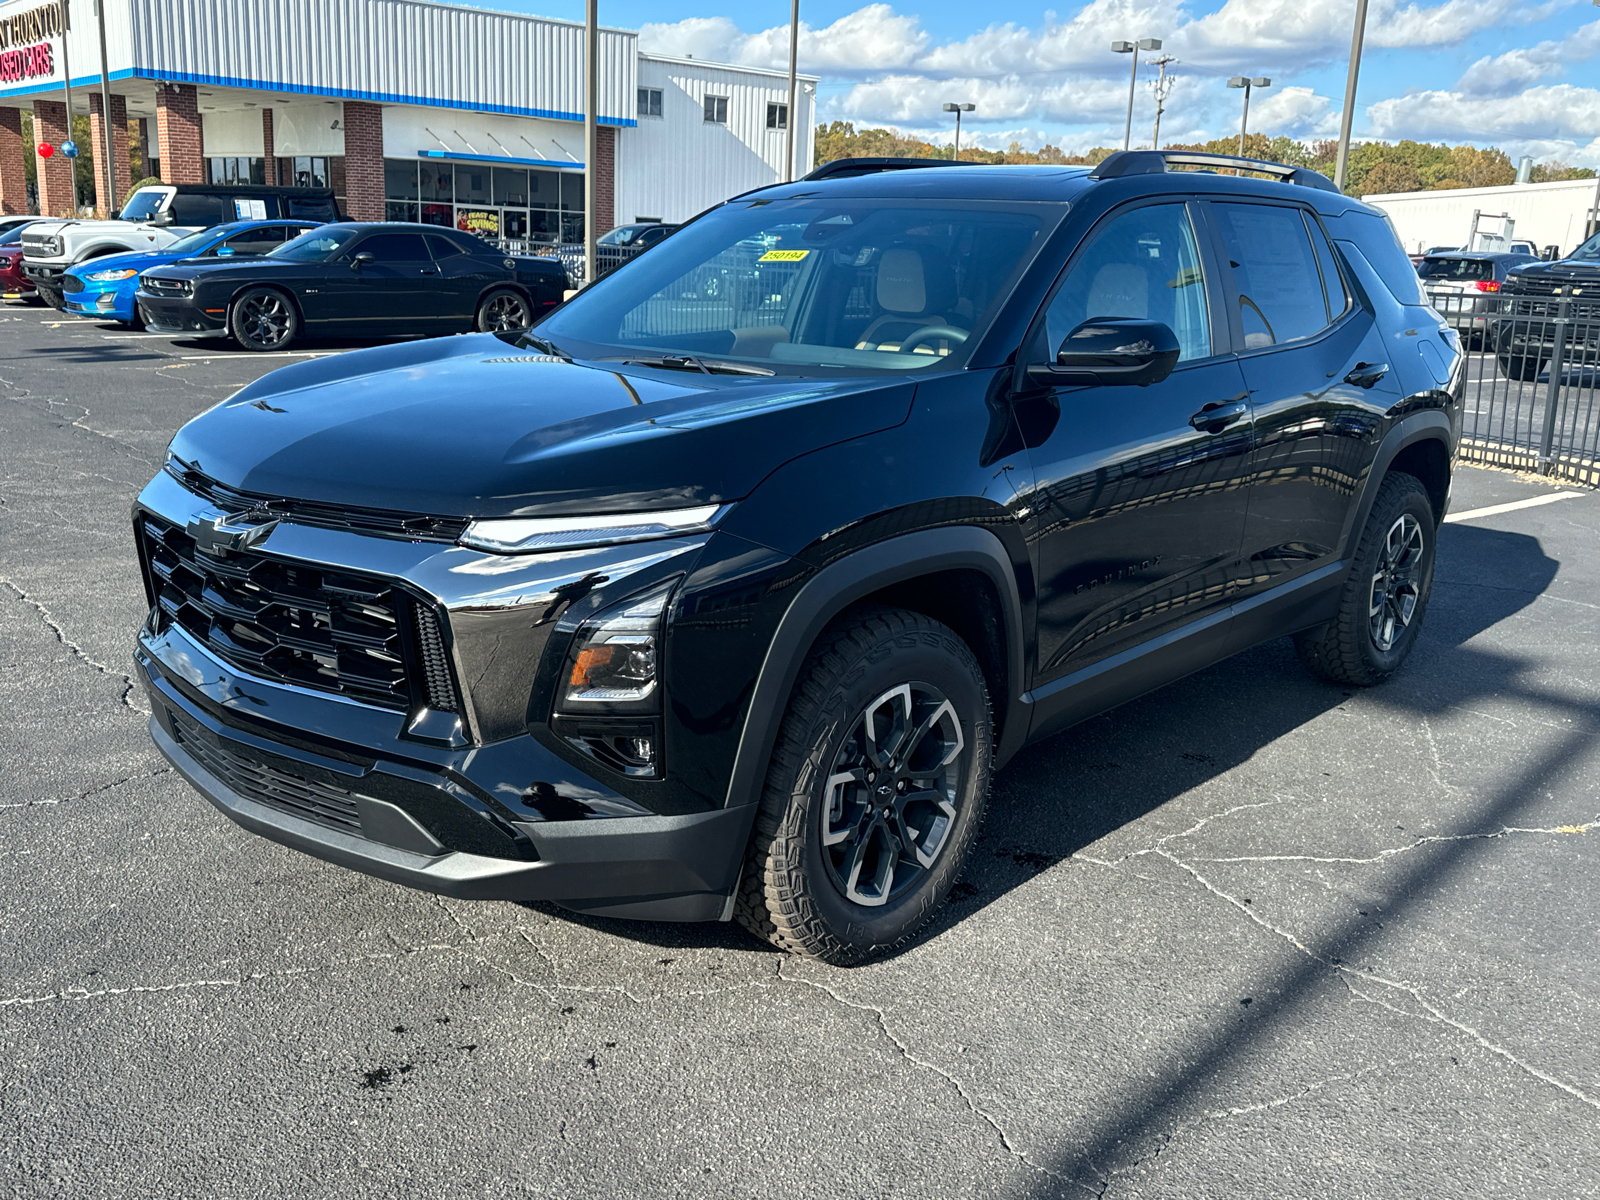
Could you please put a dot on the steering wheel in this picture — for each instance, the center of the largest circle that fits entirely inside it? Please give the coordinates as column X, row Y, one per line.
column 929, row 333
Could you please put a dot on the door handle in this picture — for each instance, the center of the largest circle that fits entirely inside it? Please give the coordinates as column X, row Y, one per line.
column 1365, row 375
column 1219, row 414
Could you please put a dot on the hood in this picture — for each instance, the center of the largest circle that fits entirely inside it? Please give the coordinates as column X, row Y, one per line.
column 1563, row 270
column 138, row 260
column 192, row 268
column 469, row 426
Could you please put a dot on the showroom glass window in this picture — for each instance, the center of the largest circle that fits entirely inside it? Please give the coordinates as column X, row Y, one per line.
column 237, row 171
column 517, row 205
column 1142, row 263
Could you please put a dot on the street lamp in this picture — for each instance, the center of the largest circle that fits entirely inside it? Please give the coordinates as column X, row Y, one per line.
column 958, row 109
column 1241, row 81
column 1133, row 48
column 1349, row 115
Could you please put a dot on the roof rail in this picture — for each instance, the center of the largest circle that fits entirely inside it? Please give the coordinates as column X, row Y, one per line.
column 1156, row 162
column 848, row 168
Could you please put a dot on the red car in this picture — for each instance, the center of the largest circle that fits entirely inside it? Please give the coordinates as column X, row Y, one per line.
column 12, row 281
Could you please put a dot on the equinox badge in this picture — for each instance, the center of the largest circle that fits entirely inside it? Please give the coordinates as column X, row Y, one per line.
column 218, row 538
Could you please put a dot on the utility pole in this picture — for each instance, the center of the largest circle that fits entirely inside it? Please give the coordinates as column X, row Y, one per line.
column 591, row 139
column 1163, row 90
column 794, row 56
column 111, row 203
column 1348, row 118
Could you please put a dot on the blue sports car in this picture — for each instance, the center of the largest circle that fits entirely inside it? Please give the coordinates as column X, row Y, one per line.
column 103, row 288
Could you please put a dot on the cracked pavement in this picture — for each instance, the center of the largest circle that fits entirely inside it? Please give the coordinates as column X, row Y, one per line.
column 1250, row 936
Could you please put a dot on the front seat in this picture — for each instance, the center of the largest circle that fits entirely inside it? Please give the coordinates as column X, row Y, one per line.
column 907, row 290
column 1119, row 289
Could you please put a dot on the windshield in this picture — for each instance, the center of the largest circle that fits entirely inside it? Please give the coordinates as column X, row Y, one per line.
column 192, row 244
column 13, row 236
column 1456, row 268
column 317, row 245
column 1589, row 251
column 146, row 203
column 813, row 286
column 621, row 237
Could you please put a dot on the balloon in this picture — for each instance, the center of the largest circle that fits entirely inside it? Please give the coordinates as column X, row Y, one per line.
column 46, row 149
column 69, row 149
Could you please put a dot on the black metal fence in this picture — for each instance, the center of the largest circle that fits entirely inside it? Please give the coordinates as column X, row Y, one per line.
column 1533, row 378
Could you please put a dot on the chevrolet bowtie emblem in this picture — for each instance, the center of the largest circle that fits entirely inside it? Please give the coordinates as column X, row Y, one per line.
column 226, row 535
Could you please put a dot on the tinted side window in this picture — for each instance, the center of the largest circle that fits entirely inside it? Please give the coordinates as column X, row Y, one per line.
column 258, row 241
column 394, row 247
column 1376, row 239
column 198, row 209
column 312, row 208
column 445, row 247
column 1274, row 272
column 1332, row 282
column 1142, row 263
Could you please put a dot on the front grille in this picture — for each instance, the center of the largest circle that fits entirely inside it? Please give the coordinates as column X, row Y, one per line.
column 71, row 284
column 256, row 780
column 417, row 527
column 1540, row 298
column 166, row 287
column 435, row 662
column 332, row 631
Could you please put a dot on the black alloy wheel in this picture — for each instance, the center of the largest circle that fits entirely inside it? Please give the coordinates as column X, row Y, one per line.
column 263, row 319
column 874, row 792
column 504, row 311
column 1385, row 593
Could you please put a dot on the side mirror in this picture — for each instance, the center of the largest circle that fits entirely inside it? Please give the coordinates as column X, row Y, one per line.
column 1111, row 350
column 159, row 219
column 361, row 260
column 224, row 251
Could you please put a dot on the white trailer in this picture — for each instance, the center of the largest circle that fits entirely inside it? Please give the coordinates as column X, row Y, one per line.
column 1547, row 214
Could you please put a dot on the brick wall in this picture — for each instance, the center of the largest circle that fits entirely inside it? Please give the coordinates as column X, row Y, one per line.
column 178, row 134
column 269, row 146
column 55, row 173
column 605, row 180
column 122, row 172
column 13, row 181
column 363, row 160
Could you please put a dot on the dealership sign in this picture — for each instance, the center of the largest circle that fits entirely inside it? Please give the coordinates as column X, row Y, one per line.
column 28, row 63
column 36, row 25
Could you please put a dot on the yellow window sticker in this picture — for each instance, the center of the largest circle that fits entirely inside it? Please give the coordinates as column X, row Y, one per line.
column 783, row 256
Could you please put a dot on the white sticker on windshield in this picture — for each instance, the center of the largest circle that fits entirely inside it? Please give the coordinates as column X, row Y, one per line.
column 250, row 210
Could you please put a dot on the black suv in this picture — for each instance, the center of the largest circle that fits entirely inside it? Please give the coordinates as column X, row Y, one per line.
column 684, row 609
column 1549, row 311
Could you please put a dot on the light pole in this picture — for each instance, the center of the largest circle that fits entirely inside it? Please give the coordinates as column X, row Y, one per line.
column 591, row 139
column 1349, row 116
column 794, row 52
column 1133, row 48
column 1241, row 81
column 1163, row 89
column 958, row 109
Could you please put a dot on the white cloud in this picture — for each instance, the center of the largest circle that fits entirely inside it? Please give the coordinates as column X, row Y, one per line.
column 1516, row 70
column 874, row 38
column 1297, row 112
column 1561, row 111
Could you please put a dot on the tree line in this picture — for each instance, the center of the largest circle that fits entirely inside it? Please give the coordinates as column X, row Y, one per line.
column 1373, row 168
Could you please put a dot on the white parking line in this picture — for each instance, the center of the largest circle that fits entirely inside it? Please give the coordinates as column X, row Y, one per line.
column 1496, row 509
column 256, row 357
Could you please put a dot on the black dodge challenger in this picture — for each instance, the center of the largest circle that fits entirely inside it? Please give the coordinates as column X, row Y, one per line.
column 353, row 279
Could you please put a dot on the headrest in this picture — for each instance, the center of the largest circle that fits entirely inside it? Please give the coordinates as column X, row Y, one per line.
column 1119, row 290
column 902, row 286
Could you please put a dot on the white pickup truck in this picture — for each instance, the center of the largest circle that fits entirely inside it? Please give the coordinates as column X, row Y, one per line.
column 154, row 218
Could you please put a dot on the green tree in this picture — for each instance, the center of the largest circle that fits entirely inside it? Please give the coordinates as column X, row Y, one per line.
column 1388, row 177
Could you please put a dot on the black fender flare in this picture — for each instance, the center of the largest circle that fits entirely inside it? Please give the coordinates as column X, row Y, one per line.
column 1433, row 425
column 843, row 582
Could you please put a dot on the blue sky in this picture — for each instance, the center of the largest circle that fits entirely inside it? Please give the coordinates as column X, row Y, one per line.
column 1495, row 72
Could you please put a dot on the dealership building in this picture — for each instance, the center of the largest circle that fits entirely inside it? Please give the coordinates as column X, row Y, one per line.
column 409, row 110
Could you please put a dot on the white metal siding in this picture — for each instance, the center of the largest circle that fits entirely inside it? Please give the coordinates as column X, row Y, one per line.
column 678, row 165
column 1547, row 214
column 396, row 51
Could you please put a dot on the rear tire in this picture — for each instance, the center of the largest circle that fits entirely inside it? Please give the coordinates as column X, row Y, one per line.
column 875, row 790
column 263, row 320
column 504, row 311
column 1524, row 368
column 1385, row 594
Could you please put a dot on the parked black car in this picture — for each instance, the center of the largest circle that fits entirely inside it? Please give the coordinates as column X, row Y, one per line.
column 685, row 610
column 1465, row 287
column 353, row 279
column 1544, row 303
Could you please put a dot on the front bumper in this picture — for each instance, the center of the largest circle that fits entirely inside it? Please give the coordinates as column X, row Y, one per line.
column 179, row 316
column 101, row 301
column 490, row 812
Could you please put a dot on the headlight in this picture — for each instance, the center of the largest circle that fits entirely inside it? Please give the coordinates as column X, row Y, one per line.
column 612, row 663
column 109, row 276
column 516, row 535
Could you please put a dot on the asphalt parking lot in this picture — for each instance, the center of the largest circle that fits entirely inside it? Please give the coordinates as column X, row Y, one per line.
column 1251, row 936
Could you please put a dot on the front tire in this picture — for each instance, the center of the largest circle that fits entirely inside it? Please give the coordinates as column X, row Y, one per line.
column 875, row 790
column 504, row 311
column 264, row 319
column 1385, row 594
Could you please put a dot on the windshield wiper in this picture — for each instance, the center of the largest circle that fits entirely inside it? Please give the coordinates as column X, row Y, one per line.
column 529, row 341
column 688, row 362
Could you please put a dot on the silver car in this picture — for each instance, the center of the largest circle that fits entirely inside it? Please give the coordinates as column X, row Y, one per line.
column 1464, row 287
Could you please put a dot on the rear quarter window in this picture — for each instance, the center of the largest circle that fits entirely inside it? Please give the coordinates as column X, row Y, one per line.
column 199, row 210
column 1375, row 238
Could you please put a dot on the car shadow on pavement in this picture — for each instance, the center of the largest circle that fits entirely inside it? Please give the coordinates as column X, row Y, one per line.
column 93, row 354
column 1064, row 794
